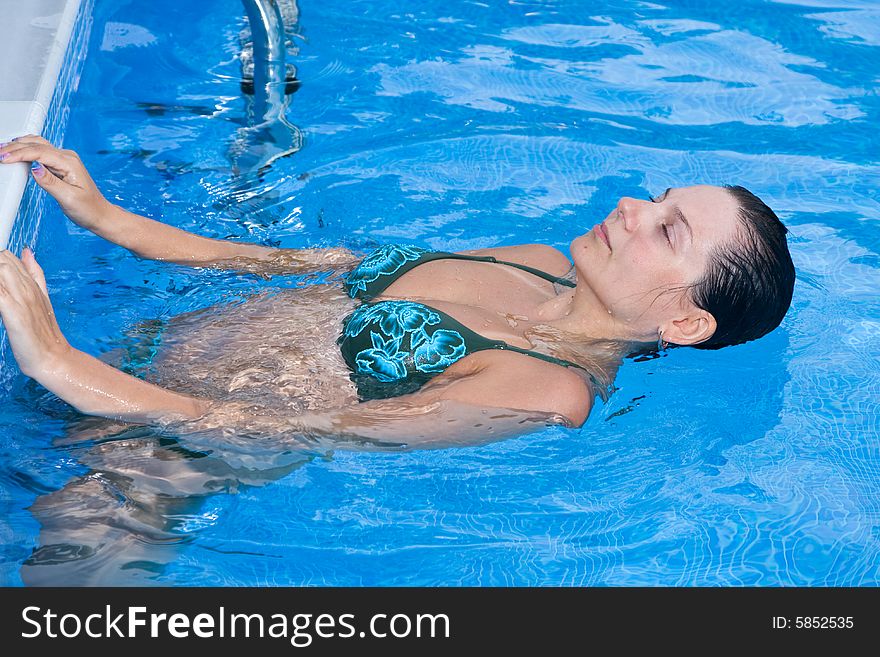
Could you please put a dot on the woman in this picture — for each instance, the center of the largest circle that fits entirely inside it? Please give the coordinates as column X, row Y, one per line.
column 432, row 344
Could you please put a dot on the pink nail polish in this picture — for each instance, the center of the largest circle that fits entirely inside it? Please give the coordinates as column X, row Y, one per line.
column 3, row 156
column 38, row 169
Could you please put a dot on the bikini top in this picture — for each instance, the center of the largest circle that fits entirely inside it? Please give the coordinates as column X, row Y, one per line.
column 394, row 347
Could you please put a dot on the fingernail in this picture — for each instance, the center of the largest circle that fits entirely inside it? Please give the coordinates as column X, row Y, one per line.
column 3, row 156
column 38, row 169
column 4, row 144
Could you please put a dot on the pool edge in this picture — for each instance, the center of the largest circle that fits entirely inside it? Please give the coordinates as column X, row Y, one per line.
column 21, row 201
column 45, row 113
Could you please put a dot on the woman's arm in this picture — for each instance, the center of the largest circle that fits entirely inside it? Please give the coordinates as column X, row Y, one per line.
column 63, row 175
column 94, row 388
column 153, row 240
column 84, row 382
column 482, row 398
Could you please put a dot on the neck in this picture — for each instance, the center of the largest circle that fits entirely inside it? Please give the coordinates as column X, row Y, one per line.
column 578, row 311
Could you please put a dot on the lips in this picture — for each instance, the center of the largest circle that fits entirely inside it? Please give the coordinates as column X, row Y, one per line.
column 602, row 230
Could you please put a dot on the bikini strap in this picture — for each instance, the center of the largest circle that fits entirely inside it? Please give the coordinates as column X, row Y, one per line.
column 537, row 272
column 500, row 344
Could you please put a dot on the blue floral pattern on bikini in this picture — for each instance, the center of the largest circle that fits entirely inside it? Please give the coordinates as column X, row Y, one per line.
column 395, row 318
column 386, row 360
column 389, row 323
column 383, row 261
column 442, row 348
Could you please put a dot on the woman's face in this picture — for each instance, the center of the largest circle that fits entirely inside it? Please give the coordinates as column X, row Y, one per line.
column 653, row 250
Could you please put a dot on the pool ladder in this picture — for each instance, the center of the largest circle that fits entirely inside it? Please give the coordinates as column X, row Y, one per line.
column 267, row 24
column 267, row 82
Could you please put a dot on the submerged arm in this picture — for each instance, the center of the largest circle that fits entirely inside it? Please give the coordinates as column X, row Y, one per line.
column 479, row 399
column 94, row 388
column 66, row 179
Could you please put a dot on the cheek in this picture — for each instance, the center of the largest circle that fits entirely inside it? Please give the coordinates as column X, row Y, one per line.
column 647, row 259
column 638, row 263
column 646, row 270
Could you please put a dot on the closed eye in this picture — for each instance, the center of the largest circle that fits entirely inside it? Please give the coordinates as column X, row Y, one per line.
column 665, row 227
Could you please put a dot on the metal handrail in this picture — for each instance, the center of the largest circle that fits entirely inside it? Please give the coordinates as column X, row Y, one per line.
column 269, row 136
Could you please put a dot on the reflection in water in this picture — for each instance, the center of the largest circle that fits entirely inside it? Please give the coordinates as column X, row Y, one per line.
column 142, row 499
column 130, row 514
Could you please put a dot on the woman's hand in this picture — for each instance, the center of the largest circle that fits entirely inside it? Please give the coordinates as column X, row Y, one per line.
column 84, row 382
column 36, row 339
column 62, row 174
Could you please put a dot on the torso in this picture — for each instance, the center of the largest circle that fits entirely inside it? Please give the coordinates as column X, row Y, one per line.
column 281, row 350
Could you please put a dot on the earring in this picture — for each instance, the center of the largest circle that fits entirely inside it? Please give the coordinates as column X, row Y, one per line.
column 661, row 346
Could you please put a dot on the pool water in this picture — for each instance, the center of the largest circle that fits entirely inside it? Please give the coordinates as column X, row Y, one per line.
column 461, row 125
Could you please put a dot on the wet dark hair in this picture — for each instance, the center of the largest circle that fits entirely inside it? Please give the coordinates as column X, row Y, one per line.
column 749, row 282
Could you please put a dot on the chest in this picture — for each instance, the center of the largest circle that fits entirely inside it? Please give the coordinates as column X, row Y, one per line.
column 490, row 290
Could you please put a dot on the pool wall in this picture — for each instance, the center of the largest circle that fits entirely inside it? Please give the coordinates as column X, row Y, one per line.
column 41, row 56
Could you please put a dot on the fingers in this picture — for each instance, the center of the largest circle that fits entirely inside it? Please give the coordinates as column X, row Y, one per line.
column 10, row 278
column 17, row 142
column 15, row 277
column 31, row 139
column 60, row 162
column 59, row 189
column 34, row 269
column 20, row 289
column 9, row 264
column 62, row 174
column 51, row 166
column 27, row 314
column 47, row 180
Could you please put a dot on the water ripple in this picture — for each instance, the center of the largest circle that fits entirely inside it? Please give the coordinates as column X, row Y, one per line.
column 729, row 76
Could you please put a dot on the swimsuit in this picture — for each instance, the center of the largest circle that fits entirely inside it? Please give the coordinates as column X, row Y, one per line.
column 393, row 347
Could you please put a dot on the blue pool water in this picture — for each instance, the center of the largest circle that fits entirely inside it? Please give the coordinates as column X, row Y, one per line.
column 462, row 125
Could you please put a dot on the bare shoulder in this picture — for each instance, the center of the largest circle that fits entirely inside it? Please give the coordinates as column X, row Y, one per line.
column 507, row 379
column 539, row 256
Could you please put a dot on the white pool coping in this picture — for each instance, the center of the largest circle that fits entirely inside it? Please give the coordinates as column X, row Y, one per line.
column 36, row 37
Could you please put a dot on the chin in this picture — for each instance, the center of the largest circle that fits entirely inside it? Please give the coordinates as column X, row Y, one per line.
column 580, row 251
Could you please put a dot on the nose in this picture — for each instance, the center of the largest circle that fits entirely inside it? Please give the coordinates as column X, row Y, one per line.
column 634, row 212
column 631, row 212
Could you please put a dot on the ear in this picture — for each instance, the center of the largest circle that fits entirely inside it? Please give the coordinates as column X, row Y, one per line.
column 693, row 329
